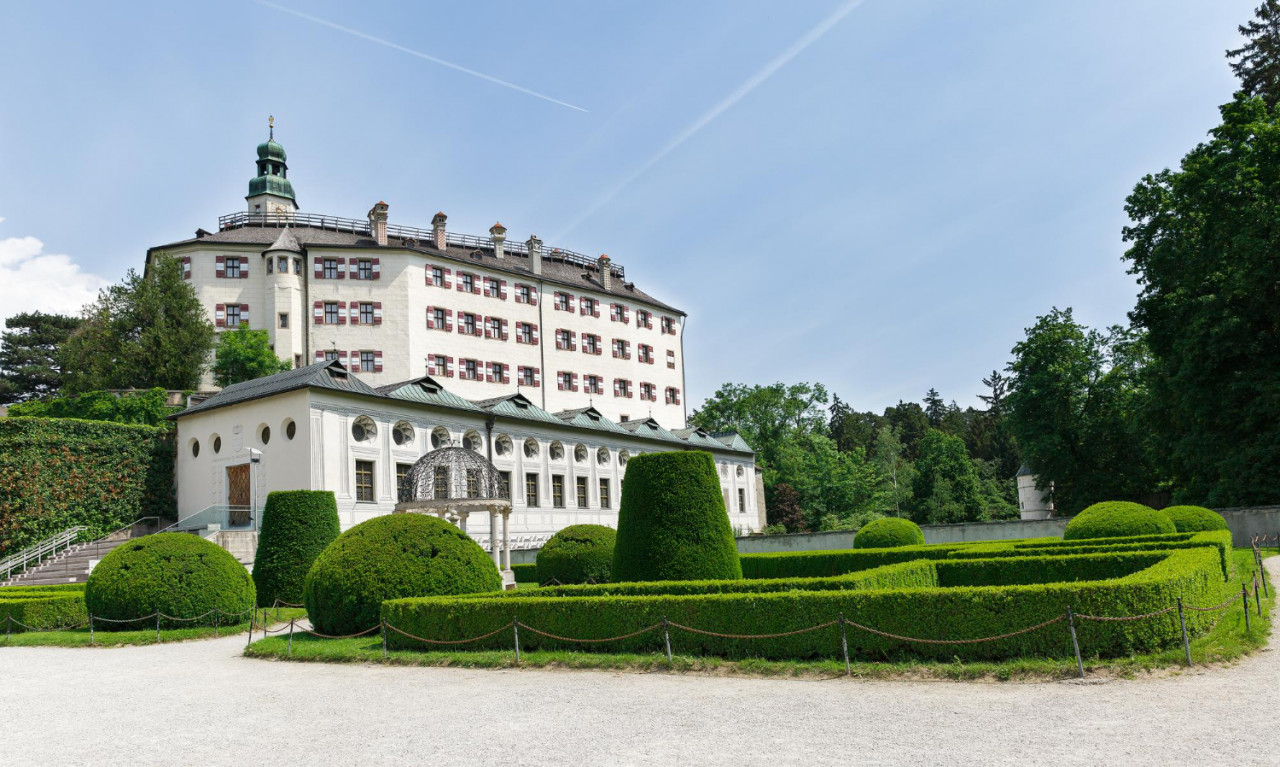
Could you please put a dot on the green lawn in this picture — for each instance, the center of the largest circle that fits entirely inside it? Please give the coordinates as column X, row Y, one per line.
column 1227, row 642
column 80, row 637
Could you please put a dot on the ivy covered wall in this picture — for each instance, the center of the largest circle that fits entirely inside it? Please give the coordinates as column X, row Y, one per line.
column 56, row 473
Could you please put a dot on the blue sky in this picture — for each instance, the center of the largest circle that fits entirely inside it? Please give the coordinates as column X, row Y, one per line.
column 880, row 201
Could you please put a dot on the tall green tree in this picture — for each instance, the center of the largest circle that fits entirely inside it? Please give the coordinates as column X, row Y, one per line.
column 243, row 354
column 29, row 346
column 149, row 330
column 946, row 487
column 897, row 474
column 850, row 429
column 1205, row 245
column 1076, row 411
column 766, row 416
column 909, row 424
column 935, row 409
column 1257, row 62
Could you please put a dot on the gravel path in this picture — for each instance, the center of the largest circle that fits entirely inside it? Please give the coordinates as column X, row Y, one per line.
column 200, row 703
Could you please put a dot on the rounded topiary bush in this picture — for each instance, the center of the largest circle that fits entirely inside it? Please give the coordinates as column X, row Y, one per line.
column 888, row 533
column 296, row 526
column 1116, row 519
column 672, row 524
column 177, row 574
column 1194, row 519
column 389, row 557
column 578, row 554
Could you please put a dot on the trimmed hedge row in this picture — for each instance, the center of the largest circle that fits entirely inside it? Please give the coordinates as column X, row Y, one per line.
column 1055, row 568
column 1218, row 539
column 525, row 573
column 938, row 613
column 42, row 609
column 56, row 473
column 824, row 564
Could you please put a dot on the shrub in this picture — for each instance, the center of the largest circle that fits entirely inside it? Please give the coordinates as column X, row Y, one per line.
column 821, row 564
column 1194, row 519
column 889, row 533
column 672, row 524
column 929, row 613
column 1114, row 519
column 296, row 526
column 526, row 573
column 59, row 473
column 578, row 554
column 178, row 574
column 42, row 607
column 396, row 555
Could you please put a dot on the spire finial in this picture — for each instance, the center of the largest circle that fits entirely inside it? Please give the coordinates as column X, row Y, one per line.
column 271, row 127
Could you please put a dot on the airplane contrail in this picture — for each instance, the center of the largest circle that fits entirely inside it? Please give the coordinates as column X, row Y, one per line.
column 750, row 84
column 419, row 54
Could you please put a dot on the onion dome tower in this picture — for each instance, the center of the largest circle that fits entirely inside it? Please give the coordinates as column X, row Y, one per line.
column 270, row 192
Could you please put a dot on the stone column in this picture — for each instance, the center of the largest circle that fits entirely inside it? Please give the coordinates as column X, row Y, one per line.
column 462, row 520
column 506, row 540
column 493, row 536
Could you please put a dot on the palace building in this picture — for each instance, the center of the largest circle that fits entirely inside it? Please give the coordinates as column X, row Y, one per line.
column 548, row 363
column 485, row 316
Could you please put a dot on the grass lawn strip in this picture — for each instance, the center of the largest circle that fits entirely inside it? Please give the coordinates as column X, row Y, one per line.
column 80, row 637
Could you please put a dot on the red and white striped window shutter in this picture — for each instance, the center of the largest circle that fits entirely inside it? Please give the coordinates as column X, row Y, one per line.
column 220, row 266
column 342, row 269
column 377, row 270
column 431, row 318
column 319, row 272
column 377, row 362
column 186, row 267
column 488, row 372
column 448, row 367
column 342, row 313
column 503, row 327
column 537, row 376
column 244, row 267
column 448, row 321
column 244, row 313
column 317, row 311
column 319, row 355
column 220, row 315
column 354, row 313
column 502, row 289
column 377, row 311
column 355, row 362
column 535, row 334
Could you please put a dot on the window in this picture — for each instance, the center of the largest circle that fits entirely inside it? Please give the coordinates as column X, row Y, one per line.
column 330, row 268
column 590, row 306
column 435, row 276
column 440, row 483
column 671, row 359
column 284, row 264
column 604, row 494
column 524, row 332
column 504, row 484
column 621, row 349
column 297, row 266
column 367, row 361
column 644, row 353
column 583, row 501
column 363, row 430
column 284, row 319
column 331, row 312
column 290, row 429
column 330, row 355
column 195, row 448
column 437, row 319
column 531, row 490
column 557, row 491
column 564, row 340
column 647, row 392
column 523, row 294
column 364, row 481
column 492, row 288
column 265, row 435
column 494, row 328
column 668, row 325
column 566, row 381
column 562, row 302
column 673, row 396
column 615, row 313
column 643, row 319
column 742, row 501
column 470, row 370
column 498, row 372
column 438, row 365
column 366, row 313
column 233, row 266
column 364, row 269
column 234, row 316
column 602, row 456
column 525, row 376
column 621, row 387
column 270, row 263
column 467, row 283
column 594, row 384
column 531, row 448
column 402, row 470
column 469, row 324
column 591, row 344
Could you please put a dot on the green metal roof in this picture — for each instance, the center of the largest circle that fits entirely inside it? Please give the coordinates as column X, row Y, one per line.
column 648, row 427
column 732, row 439
column 271, row 150
column 427, row 391
column 321, row 375
column 590, row 418
column 269, row 184
column 517, row 406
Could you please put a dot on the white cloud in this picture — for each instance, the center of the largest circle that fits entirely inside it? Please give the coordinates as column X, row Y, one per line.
column 32, row 280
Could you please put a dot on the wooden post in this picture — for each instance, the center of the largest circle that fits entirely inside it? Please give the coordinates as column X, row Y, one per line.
column 1186, row 642
column 250, row 640
column 216, row 615
column 1244, row 595
column 1257, row 603
column 158, row 625
column 383, row 624
column 1075, row 643
column 515, row 631
column 290, row 651
column 90, row 628
column 666, row 637
column 844, row 643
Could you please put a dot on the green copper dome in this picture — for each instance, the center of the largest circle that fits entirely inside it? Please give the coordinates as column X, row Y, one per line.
column 277, row 185
column 273, row 172
column 271, row 150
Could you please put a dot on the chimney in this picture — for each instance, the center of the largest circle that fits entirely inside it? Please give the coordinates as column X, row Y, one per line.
column 606, row 272
column 437, row 229
column 498, row 233
column 535, row 254
column 378, row 223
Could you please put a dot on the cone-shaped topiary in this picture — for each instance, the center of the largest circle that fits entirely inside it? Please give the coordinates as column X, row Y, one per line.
column 296, row 526
column 1115, row 519
column 672, row 524
column 178, row 574
column 578, row 554
column 1195, row 519
column 888, row 533
column 389, row 557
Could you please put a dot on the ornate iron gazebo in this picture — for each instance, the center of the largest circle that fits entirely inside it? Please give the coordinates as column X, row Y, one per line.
column 454, row 482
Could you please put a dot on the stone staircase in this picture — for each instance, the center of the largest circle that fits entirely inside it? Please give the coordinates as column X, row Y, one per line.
column 71, row 566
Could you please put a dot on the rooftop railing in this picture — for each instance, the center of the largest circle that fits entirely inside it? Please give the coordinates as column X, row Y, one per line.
column 358, row 226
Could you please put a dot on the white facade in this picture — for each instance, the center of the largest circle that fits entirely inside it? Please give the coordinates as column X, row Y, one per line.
column 1033, row 503
column 390, row 302
column 325, row 454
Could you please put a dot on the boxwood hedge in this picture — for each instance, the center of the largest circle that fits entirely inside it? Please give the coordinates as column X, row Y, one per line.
column 1110, row 519
column 819, row 564
column 577, row 554
column 296, row 526
column 526, row 573
column 672, row 524
column 931, row 613
column 42, row 607
column 1188, row 519
column 889, row 532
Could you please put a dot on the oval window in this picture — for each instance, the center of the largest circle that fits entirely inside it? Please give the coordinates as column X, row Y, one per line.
column 217, row 444
column 290, row 429
column 265, row 434
column 195, row 448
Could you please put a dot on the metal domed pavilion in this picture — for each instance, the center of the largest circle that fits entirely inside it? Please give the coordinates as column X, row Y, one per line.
column 454, row 482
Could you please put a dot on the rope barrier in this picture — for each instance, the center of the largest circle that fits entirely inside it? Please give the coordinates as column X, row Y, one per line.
column 588, row 641
column 313, row 632
column 1027, row 630
column 1230, row 601
column 757, row 636
column 1084, row 617
column 499, row 630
